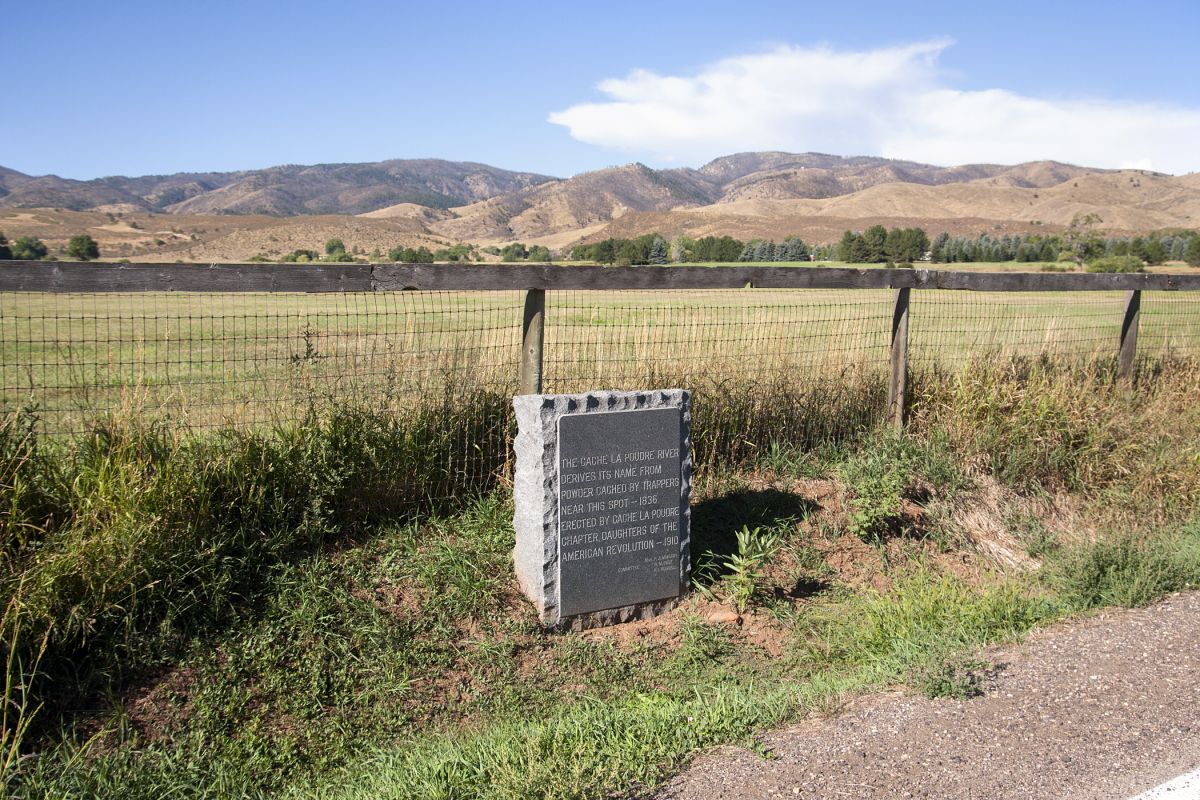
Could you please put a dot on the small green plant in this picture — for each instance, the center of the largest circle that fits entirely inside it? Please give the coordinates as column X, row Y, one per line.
column 891, row 470
column 702, row 642
column 954, row 677
column 755, row 548
column 1040, row 542
column 876, row 506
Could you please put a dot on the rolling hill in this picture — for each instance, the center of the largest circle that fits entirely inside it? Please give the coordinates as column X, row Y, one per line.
column 278, row 191
column 229, row 216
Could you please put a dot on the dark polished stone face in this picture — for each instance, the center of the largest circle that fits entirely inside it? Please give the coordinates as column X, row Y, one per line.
column 619, row 508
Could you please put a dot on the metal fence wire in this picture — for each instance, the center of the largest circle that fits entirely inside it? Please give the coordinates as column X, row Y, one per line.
column 218, row 360
column 801, row 365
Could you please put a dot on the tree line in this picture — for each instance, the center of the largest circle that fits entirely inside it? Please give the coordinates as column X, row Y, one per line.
column 1079, row 243
column 1152, row 249
column 652, row 248
column 30, row 248
column 878, row 245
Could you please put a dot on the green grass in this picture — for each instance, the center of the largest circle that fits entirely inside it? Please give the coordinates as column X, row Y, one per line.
column 1130, row 570
column 327, row 609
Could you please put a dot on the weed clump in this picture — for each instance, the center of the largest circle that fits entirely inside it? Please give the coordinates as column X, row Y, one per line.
column 952, row 677
column 889, row 473
column 1129, row 571
column 126, row 542
column 1045, row 426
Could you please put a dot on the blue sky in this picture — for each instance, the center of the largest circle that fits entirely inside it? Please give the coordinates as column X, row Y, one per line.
column 137, row 88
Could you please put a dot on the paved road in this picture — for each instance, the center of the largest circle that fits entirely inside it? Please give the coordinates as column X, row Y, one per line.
column 1104, row 708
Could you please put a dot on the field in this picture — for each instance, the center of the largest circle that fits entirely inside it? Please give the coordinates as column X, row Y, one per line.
column 208, row 360
column 259, row 545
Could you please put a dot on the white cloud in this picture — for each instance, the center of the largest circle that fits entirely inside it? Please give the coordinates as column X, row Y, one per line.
column 893, row 101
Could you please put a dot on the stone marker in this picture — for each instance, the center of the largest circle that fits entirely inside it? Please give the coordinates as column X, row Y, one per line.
column 602, row 486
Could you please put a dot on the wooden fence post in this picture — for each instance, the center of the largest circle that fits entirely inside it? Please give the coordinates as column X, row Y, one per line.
column 898, row 385
column 532, row 331
column 1129, row 334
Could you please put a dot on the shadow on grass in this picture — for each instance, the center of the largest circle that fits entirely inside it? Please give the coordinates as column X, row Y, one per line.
column 715, row 522
column 801, row 590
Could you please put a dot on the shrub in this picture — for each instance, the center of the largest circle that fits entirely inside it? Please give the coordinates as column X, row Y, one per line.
column 1116, row 264
column 300, row 256
column 83, row 247
column 28, row 248
column 888, row 472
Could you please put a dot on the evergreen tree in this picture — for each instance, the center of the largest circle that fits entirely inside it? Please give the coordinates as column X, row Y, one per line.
column 658, row 251
column 792, row 248
column 1154, row 252
column 938, row 250
column 5, row 250
column 1191, row 253
column 682, row 249
column 1179, row 248
column 876, row 241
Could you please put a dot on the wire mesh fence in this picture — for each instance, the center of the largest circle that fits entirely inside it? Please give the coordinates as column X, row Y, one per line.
column 1169, row 325
column 765, row 365
column 948, row 328
column 217, row 360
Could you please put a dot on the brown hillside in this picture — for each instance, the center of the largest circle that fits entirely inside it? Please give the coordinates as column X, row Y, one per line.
column 855, row 188
column 581, row 202
column 233, row 216
column 1127, row 202
column 285, row 190
column 162, row 237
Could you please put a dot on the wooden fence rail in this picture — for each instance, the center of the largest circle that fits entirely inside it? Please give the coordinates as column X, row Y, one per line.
column 59, row 276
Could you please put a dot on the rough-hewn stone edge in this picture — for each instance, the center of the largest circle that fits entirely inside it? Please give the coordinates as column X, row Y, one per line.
column 532, row 499
column 541, row 413
column 616, row 616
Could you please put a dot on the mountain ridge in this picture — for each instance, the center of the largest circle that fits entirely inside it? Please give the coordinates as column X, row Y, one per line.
column 768, row 194
column 284, row 190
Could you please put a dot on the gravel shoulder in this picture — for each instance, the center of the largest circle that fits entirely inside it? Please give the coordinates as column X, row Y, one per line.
column 1105, row 707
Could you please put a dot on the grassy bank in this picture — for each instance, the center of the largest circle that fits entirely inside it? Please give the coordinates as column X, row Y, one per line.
column 326, row 609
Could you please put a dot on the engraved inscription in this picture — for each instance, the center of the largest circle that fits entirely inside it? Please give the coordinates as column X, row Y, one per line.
column 619, row 508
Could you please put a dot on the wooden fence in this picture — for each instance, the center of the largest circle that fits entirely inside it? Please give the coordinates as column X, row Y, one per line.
column 537, row 279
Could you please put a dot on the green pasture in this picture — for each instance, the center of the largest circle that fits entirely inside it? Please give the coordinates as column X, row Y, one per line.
column 248, row 358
